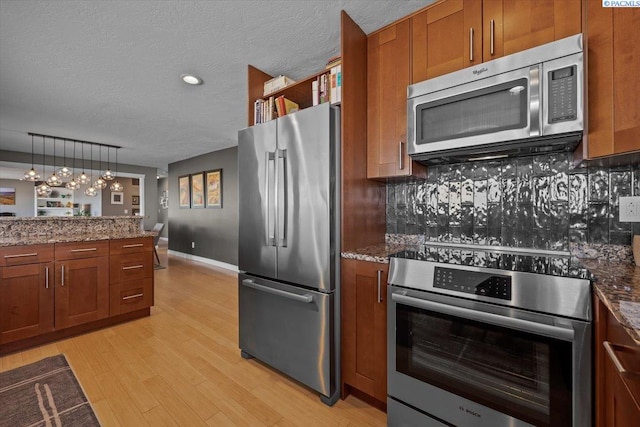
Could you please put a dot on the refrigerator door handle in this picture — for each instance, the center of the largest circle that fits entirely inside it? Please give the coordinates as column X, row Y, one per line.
column 282, row 196
column 270, row 226
column 306, row 298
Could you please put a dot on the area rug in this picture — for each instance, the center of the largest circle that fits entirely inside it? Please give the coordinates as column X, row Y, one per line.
column 44, row 393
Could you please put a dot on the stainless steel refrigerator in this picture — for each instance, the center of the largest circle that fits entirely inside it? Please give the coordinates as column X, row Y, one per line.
column 289, row 193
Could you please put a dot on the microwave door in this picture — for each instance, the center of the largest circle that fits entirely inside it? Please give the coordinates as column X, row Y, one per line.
column 499, row 108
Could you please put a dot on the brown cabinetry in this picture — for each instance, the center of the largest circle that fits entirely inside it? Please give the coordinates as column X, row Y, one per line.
column 130, row 275
column 617, row 371
column 613, row 67
column 388, row 74
column 456, row 34
column 364, row 329
column 82, row 282
column 26, row 292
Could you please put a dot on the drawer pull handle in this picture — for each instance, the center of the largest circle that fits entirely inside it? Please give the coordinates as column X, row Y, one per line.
column 611, row 351
column 21, row 255
column 62, row 276
column 84, row 250
column 46, row 280
column 137, row 245
column 132, row 296
column 133, row 267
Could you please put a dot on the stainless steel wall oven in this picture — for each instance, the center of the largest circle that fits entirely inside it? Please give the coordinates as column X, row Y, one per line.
column 477, row 346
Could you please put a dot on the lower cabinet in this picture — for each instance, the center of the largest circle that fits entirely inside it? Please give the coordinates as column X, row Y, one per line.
column 617, row 372
column 26, row 301
column 49, row 288
column 82, row 291
column 364, row 330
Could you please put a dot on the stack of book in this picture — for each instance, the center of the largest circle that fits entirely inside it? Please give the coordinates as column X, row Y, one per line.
column 328, row 87
column 271, row 108
column 276, row 84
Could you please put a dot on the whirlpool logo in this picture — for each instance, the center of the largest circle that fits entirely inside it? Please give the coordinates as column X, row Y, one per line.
column 480, row 71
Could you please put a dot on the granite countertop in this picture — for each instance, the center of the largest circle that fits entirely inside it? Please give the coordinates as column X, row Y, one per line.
column 617, row 284
column 34, row 239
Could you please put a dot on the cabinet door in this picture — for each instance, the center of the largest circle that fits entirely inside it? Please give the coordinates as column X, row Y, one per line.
column 510, row 26
column 620, row 405
column 82, row 291
column 387, row 81
column 445, row 38
column 26, row 301
column 613, row 84
column 364, row 320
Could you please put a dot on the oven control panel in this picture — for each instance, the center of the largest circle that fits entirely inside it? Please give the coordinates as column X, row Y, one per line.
column 473, row 282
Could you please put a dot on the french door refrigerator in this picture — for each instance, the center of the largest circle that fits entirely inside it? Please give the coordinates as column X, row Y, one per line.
column 289, row 192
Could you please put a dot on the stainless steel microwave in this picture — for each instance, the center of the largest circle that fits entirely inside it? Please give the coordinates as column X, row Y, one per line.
column 530, row 101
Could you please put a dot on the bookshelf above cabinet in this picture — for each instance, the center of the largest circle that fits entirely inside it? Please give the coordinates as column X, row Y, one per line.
column 299, row 92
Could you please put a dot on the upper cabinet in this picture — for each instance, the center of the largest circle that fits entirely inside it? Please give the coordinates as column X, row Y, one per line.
column 509, row 26
column 446, row 37
column 388, row 62
column 460, row 33
column 613, row 84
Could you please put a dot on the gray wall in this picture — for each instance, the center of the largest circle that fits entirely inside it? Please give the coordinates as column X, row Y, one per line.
column 128, row 190
column 25, row 197
column 150, row 181
column 214, row 231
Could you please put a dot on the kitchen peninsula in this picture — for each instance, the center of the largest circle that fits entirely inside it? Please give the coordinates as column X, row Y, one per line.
column 64, row 276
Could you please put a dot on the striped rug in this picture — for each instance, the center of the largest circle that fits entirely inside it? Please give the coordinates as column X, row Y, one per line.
column 44, row 393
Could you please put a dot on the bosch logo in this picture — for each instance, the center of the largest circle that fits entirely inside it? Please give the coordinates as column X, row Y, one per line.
column 469, row 412
column 480, row 71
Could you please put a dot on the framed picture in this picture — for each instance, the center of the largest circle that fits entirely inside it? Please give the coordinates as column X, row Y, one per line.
column 7, row 196
column 214, row 188
column 135, row 200
column 185, row 193
column 117, row 198
column 197, row 190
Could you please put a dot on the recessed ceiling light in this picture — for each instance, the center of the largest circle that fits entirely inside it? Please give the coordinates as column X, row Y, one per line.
column 191, row 79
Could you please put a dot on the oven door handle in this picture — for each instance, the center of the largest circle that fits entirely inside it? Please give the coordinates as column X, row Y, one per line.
column 565, row 334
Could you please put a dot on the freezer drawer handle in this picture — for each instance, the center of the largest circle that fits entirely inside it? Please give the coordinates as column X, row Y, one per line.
column 564, row 334
column 306, row 298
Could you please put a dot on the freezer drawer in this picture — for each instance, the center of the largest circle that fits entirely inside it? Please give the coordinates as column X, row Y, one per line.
column 288, row 328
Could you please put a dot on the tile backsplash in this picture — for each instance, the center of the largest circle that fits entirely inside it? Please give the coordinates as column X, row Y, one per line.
column 541, row 202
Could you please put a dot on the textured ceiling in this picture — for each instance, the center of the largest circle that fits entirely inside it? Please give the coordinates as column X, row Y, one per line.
column 108, row 71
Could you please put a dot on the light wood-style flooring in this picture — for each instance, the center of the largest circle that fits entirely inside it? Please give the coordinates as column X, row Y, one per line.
column 182, row 367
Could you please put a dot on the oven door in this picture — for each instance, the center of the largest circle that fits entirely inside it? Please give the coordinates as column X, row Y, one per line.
column 470, row 363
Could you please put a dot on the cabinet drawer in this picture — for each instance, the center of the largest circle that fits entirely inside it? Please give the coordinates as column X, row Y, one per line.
column 77, row 250
column 127, row 246
column 133, row 266
column 31, row 254
column 130, row 296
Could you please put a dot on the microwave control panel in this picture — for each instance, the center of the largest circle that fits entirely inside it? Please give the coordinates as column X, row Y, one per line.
column 473, row 282
column 563, row 94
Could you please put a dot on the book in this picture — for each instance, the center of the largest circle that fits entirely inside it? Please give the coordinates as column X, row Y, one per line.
column 314, row 92
column 332, row 62
column 287, row 106
column 276, row 84
column 333, row 94
column 338, row 83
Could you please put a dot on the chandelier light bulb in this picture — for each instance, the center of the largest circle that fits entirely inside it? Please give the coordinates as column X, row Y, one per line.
column 54, row 180
column 116, row 186
column 43, row 190
column 83, row 179
column 100, row 184
column 31, row 175
column 72, row 185
column 65, row 172
column 91, row 192
column 108, row 175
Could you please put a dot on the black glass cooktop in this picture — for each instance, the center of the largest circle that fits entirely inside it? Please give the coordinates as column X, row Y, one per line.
column 563, row 266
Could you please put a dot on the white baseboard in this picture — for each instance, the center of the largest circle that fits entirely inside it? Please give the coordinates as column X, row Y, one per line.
column 204, row 260
column 164, row 239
